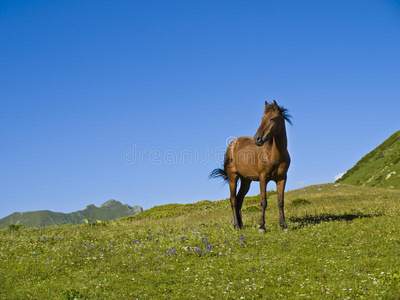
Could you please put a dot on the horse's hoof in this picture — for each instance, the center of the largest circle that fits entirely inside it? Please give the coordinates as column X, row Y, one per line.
column 285, row 229
column 262, row 230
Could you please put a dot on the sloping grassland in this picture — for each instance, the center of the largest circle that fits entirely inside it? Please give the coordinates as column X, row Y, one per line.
column 343, row 242
column 379, row 168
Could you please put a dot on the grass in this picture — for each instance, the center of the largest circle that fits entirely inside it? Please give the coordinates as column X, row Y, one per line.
column 379, row 168
column 343, row 242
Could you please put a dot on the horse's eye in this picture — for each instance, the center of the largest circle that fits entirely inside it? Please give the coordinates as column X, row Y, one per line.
column 272, row 120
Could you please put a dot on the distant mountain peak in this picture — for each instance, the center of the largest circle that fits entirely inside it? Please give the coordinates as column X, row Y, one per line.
column 109, row 210
column 110, row 203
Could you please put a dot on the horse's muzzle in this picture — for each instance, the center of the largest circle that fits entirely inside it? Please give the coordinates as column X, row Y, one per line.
column 258, row 139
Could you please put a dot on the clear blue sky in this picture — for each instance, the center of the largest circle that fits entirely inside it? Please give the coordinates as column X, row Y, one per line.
column 84, row 82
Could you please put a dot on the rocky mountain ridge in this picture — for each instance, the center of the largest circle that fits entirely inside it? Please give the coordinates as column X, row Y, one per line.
column 109, row 210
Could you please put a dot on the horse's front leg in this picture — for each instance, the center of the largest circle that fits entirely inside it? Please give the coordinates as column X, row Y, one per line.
column 280, row 189
column 263, row 190
column 232, row 187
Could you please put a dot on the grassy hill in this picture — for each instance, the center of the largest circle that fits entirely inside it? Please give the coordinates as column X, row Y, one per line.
column 107, row 211
column 380, row 167
column 343, row 242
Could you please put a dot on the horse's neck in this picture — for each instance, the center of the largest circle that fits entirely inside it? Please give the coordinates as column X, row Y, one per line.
column 280, row 141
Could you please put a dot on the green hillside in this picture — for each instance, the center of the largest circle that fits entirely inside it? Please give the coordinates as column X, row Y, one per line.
column 379, row 168
column 107, row 211
column 343, row 243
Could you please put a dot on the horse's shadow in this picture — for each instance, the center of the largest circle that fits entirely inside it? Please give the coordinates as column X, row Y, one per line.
column 299, row 222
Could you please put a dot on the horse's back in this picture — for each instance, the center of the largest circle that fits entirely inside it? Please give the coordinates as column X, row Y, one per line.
column 246, row 159
column 242, row 157
column 240, row 144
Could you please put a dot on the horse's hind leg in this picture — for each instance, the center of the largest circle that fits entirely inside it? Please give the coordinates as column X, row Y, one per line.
column 233, row 179
column 244, row 188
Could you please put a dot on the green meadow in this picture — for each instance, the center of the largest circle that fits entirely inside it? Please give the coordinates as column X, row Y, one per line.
column 343, row 242
column 378, row 168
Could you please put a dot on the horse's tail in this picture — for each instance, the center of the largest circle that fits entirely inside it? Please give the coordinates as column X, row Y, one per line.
column 220, row 172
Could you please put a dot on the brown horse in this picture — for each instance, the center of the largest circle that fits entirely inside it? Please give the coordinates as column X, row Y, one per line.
column 262, row 158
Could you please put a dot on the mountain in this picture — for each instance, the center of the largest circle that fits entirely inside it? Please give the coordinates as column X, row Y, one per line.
column 379, row 168
column 109, row 210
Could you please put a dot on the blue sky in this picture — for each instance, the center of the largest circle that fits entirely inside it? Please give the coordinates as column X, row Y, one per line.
column 98, row 99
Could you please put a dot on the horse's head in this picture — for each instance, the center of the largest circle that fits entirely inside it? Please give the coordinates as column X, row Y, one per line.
column 272, row 123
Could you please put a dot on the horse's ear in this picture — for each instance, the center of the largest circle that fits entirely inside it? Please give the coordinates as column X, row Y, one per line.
column 266, row 103
column 275, row 104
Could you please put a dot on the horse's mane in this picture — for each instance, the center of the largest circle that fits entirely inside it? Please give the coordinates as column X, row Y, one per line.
column 286, row 115
column 284, row 111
